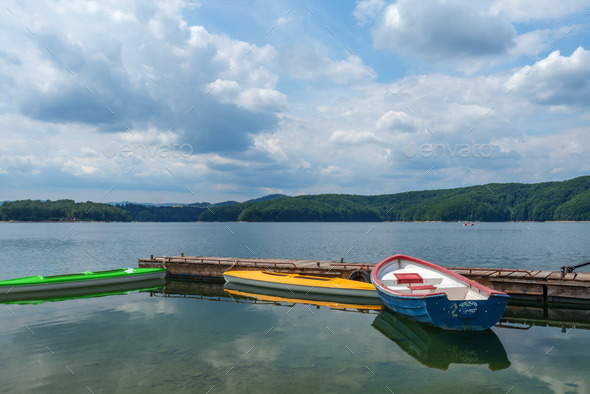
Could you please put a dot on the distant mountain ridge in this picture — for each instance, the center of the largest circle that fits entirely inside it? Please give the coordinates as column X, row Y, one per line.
column 565, row 201
column 548, row 201
column 193, row 204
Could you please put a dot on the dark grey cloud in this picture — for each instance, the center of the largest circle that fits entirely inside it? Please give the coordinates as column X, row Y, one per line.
column 435, row 30
column 218, row 127
column 81, row 83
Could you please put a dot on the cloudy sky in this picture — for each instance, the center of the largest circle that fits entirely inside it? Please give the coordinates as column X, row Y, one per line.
column 208, row 101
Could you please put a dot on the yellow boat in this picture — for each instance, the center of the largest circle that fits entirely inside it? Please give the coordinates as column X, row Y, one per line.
column 302, row 283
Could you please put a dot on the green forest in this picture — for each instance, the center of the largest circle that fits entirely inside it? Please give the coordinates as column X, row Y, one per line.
column 549, row 201
column 61, row 210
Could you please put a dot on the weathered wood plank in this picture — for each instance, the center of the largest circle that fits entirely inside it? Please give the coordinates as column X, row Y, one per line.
column 543, row 274
column 534, row 272
column 569, row 276
column 564, row 291
column 555, row 275
column 583, row 277
column 517, row 287
column 519, row 274
column 484, row 273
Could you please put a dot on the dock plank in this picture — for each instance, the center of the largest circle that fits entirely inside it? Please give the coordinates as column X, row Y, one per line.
column 564, row 291
column 543, row 274
column 519, row 274
column 484, row 273
column 534, row 272
column 555, row 275
column 583, row 277
column 569, row 276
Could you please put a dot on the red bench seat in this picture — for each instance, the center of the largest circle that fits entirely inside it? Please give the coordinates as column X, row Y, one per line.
column 405, row 278
column 422, row 287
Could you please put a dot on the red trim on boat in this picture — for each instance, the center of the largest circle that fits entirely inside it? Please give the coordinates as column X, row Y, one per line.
column 455, row 275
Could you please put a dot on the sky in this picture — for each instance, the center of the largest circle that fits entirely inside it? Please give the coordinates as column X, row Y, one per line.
column 182, row 101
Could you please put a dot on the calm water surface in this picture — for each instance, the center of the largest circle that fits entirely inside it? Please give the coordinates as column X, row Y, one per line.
column 209, row 342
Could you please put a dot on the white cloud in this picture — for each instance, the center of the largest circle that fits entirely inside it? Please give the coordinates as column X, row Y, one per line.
column 367, row 10
column 538, row 41
column 353, row 137
column 255, row 99
column 307, row 63
column 556, row 80
column 270, row 145
column 262, row 100
column 530, row 10
column 397, row 121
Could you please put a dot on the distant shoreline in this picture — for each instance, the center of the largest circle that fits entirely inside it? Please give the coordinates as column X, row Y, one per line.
column 233, row 221
column 559, row 202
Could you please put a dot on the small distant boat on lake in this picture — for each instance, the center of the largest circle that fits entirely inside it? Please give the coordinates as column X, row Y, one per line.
column 468, row 224
column 302, row 283
column 39, row 283
column 434, row 295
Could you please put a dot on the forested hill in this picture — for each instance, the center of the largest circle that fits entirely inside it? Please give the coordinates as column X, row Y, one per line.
column 567, row 200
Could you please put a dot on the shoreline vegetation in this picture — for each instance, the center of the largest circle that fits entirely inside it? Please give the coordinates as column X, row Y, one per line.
column 565, row 201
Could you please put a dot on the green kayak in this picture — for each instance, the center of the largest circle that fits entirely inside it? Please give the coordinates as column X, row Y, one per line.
column 39, row 297
column 83, row 279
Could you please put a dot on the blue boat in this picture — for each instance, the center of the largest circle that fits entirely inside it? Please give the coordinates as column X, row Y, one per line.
column 434, row 295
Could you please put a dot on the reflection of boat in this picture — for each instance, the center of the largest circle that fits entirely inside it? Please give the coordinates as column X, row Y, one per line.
column 38, row 283
column 436, row 348
column 302, row 283
column 39, row 297
column 434, row 295
column 275, row 295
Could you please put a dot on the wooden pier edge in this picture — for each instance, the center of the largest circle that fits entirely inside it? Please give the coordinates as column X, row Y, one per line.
column 536, row 286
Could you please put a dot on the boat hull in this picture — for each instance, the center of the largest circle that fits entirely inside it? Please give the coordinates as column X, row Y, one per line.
column 300, row 288
column 37, row 297
column 283, row 294
column 439, row 311
column 435, row 308
column 42, row 284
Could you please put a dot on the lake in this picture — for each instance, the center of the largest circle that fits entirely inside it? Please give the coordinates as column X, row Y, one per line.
column 210, row 342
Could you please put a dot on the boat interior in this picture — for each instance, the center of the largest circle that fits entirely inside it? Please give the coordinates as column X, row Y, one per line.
column 418, row 280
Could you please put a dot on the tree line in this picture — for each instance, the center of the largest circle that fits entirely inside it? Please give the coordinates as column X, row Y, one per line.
column 567, row 200
column 564, row 201
column 61, row 210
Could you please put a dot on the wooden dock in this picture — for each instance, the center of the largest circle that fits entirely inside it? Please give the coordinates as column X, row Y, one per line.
column 546, row 287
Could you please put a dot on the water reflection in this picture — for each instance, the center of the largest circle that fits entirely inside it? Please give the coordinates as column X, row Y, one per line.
column 436, row 348
column 528, row 314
